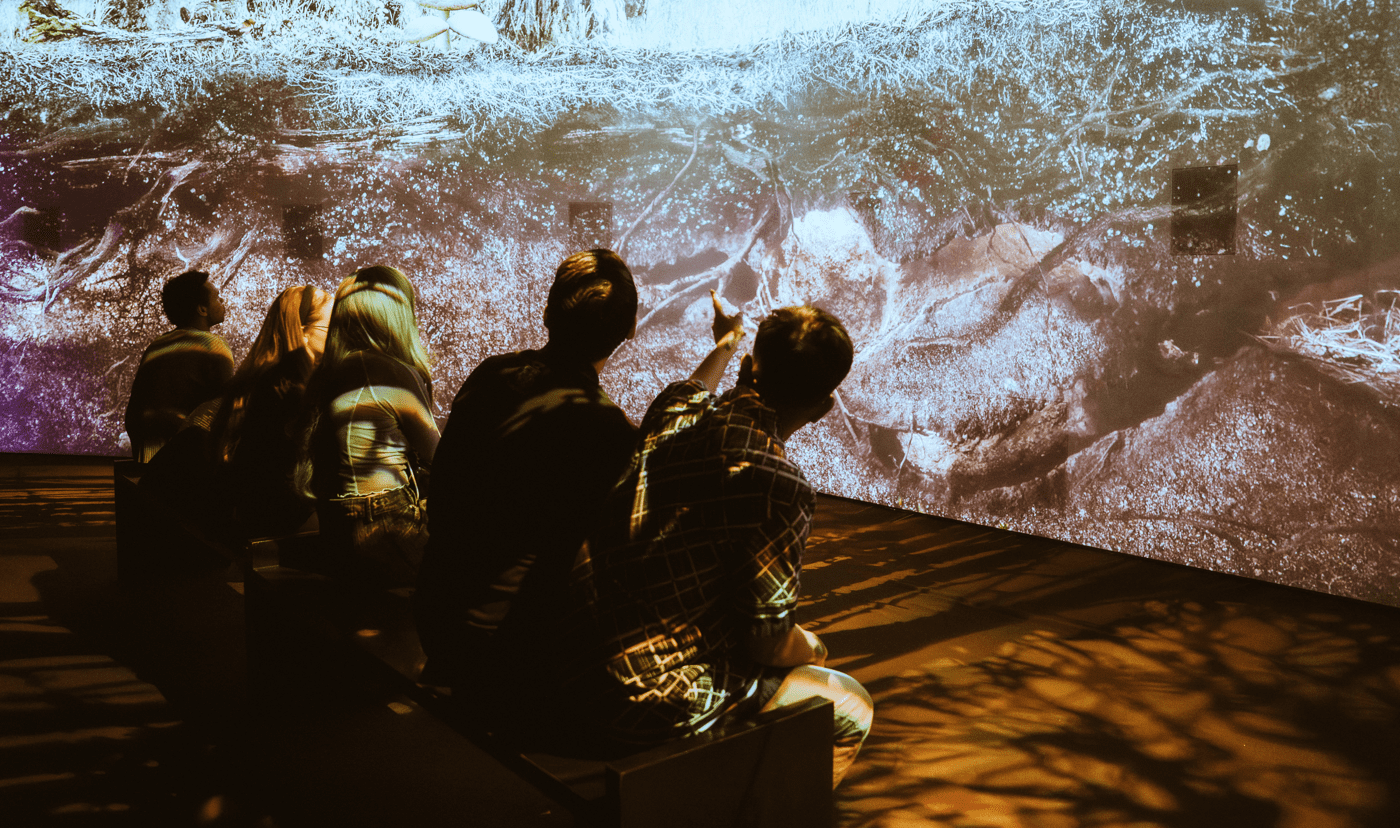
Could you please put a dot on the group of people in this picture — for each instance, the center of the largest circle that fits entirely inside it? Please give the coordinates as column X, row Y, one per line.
column 579, row 579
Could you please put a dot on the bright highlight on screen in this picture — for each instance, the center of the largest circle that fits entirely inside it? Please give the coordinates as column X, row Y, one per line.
column 1121, row 273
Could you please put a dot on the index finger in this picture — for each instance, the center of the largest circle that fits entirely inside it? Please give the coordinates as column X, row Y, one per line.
column 714, row 297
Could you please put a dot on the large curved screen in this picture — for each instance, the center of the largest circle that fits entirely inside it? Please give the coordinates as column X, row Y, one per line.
column 1119, row 273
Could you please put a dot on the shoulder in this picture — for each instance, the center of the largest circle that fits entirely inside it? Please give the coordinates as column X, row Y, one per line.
column 291, row 373
column 379, row 367
column 489, row 387
column 567, row 408
column 188, row 340
column 757, row 458
column 496, row 372
column 371, row 368
column 206, row 341
column 500, row 363
column 678, row 404
column 217, row 345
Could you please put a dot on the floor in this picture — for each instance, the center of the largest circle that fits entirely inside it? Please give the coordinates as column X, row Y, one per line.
column 1018, row 682
column 1023, row 682
column 86, row 739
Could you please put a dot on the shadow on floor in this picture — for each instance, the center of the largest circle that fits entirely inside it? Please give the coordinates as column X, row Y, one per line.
column 1020, row 681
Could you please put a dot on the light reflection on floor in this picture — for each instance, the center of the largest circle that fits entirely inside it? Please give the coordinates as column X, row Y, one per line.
column 83, row 739
column 1020, row 682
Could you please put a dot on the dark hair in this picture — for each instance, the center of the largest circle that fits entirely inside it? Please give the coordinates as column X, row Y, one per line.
column 182, row 295
column 803, row 353
column 592, row 304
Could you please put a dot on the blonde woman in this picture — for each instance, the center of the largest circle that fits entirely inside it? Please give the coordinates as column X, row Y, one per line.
column 369, row 431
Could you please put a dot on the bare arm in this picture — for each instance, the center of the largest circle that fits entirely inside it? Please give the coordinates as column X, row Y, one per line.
column 728, row 330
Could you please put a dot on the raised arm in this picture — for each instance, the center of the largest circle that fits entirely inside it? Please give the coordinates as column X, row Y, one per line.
column 728, row 330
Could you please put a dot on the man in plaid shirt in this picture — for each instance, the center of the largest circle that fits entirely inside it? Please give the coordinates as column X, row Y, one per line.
column 692, row 576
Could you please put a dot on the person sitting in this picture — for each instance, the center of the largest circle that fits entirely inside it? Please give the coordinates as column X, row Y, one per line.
column 250, row 434
column 689, row 581
column 181, row 368
column 367, row 433
column 529, row 450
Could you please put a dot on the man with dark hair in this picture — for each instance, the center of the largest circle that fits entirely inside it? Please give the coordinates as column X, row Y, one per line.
column 691, row 574
column 592, row 304
column 530, row 449
column 181, row 368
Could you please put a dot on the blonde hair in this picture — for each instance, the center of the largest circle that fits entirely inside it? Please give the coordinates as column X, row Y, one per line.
column 374, row 311
column 283, row 331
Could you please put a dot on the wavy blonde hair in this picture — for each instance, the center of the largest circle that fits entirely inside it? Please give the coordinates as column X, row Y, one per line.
column 374, row 311
column 283, row 331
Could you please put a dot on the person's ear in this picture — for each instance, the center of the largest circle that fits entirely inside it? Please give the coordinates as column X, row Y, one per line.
column 546, row 318
column 822, row 408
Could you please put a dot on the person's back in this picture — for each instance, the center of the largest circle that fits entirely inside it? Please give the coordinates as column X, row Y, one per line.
column 181, row 368
column 531, row 447
column 260, row 468
column 369, row 430
column 378, row 412
column 252, row 437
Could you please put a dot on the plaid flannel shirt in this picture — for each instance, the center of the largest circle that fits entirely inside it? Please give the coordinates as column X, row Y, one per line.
column 697, row 553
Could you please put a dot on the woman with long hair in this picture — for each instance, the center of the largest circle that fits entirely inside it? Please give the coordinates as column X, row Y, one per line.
column 368, row 431
column 251, row 432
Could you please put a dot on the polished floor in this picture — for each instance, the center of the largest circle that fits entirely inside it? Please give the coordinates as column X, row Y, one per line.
column 1018, row 682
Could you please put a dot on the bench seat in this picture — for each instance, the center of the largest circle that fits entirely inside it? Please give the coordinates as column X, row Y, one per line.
column 309, row 638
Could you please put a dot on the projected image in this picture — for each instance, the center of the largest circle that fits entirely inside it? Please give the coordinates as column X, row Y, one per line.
column 1121, row 273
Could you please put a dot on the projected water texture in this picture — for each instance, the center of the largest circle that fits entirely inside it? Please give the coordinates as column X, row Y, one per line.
column 1122, row 273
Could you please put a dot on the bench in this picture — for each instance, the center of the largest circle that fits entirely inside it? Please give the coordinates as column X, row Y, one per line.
column 308, row 639
column 155, row 539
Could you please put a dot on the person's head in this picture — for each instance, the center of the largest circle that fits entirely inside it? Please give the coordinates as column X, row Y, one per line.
column 283, row 332
column 799, row 357
column 374, row 311
column 190, row 300
column 592, row 305
column 292, row 314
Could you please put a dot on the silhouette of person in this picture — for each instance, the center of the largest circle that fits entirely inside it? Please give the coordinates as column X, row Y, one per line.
column 181, row 368
column 530, row 448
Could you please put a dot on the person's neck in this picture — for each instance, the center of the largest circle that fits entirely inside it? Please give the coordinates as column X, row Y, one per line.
column 198, row 325
column 560, row 355
column 789, row 424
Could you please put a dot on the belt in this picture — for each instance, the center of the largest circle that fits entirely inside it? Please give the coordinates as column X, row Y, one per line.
column 374, row 506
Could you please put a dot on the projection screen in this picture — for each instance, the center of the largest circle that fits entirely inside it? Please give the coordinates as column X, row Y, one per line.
column 1119, row 273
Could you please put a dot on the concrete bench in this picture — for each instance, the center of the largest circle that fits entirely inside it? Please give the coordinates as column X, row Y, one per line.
column 155, row 539
column 309, row 638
